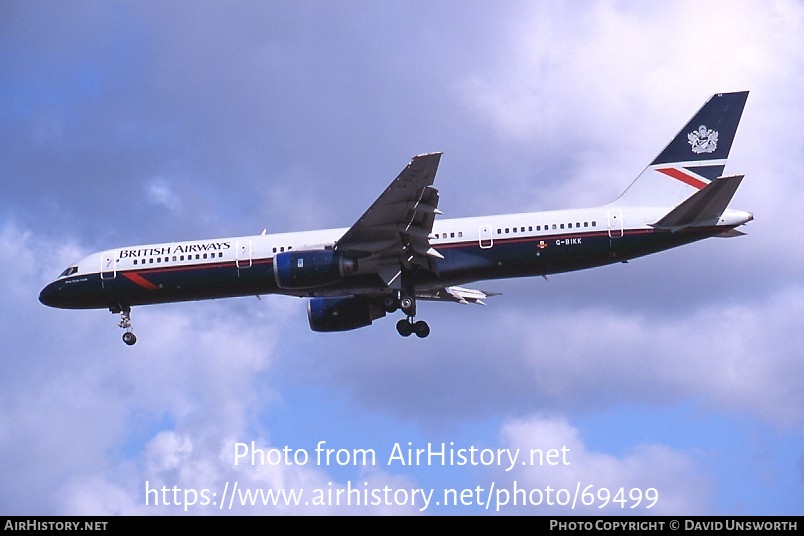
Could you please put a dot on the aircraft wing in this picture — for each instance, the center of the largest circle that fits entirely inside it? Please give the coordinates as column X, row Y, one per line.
column 394, row 232
column 456, row 294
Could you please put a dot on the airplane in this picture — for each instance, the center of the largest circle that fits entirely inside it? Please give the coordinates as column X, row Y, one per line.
column 398, row 253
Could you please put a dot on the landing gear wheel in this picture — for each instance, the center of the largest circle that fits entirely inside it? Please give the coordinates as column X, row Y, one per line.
column 390, row 303
column 421, row 329
column 407, row 302
column 404, row 327
column 129, row 338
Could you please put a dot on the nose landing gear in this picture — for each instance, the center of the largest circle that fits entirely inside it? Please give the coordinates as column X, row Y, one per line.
column 125, row 322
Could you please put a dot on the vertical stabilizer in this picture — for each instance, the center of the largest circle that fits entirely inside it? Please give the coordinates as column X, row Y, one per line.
column 694, row 157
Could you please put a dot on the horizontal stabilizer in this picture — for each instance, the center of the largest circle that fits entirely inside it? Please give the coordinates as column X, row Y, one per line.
column 703, row 207
column 730, row 233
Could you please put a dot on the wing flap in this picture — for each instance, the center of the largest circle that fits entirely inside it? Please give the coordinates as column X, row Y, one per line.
column 394, row 232
column 403, row 205
column 456, row 294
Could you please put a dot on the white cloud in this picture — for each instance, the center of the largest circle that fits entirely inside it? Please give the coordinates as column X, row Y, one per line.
column 736, row 357
column 681, row 486
column 610, row 59
column 596, row 91
column 160, row 192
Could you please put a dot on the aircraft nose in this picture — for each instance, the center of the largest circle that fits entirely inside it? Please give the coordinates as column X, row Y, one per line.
column 50, row 295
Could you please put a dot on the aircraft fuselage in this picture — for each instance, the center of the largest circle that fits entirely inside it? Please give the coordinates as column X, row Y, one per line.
column 477, row 248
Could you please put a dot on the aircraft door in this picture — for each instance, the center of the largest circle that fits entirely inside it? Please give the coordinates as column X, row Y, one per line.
column 615, row 223
column 243, row 254
column 108, row 266
column 485, row 237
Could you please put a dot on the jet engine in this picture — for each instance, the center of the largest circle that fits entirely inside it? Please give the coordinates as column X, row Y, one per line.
column 343, row 313
column 311, row 268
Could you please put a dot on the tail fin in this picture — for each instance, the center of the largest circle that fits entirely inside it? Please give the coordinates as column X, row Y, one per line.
column 694, row 158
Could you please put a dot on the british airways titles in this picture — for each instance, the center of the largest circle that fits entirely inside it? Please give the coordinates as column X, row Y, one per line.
column 172, row 250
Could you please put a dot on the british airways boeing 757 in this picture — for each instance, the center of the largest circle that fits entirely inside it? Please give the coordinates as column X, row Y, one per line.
column 399, row 252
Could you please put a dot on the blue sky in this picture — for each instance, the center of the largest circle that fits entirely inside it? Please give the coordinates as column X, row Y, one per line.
column 134, row 122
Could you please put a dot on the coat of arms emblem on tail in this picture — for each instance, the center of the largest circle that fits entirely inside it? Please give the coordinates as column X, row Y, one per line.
column 703, row 140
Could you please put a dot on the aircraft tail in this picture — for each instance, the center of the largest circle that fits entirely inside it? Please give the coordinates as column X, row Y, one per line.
column 694, row 158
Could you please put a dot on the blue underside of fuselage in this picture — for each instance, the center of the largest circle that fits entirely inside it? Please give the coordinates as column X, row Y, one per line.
column 462, row 263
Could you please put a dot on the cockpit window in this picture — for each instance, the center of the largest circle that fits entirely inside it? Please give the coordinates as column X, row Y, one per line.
column 69, row 271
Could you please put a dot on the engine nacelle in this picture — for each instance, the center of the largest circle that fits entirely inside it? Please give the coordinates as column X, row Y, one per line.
column 344, row 313
column 311, row 268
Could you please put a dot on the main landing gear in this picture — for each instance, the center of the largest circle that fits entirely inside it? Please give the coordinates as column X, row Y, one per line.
column 407, row 326
column 125, row 322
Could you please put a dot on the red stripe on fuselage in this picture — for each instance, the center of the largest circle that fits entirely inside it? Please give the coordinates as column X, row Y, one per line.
column 683, row 177
column 141, row 281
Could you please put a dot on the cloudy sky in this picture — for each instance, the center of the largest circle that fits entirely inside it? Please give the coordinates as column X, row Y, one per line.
column 136, row 122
